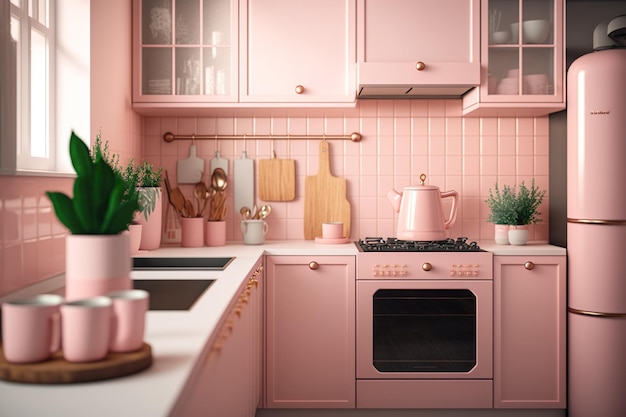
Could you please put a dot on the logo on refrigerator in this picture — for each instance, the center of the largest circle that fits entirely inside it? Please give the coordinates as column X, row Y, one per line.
column 594, row 112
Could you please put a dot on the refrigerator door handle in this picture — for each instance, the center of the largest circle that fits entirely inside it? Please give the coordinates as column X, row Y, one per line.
column 595, row 313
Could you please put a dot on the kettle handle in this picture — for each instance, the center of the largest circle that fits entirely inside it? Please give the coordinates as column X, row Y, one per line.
column 455, row 200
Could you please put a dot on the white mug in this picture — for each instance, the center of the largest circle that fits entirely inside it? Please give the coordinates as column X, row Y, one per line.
column 253, row 231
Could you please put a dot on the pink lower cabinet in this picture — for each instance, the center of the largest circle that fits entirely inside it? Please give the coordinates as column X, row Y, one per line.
column 310, row 327
column 529, row 331
column 226, row 380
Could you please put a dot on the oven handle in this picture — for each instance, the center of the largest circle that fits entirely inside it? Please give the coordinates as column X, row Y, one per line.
column 595, row 313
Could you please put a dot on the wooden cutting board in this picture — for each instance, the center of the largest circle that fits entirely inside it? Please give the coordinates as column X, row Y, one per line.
column 325, row 198
column 190, row 169
column 58, row 371
column 277, row 179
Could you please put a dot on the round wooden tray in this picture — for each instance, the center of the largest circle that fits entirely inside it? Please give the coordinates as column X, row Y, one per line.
column 56, row 370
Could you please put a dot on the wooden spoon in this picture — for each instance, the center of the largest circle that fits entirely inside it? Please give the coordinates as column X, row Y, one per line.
column 176, row 197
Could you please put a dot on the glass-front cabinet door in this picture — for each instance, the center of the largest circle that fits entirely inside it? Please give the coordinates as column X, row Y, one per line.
column 522, row 49
column 185, row 50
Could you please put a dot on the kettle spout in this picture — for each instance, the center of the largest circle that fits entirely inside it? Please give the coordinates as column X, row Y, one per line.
column 395, row 198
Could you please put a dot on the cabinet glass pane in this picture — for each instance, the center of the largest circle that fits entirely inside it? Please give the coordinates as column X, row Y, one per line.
column 538, row 71
column 156, row 22
column 157, row 71
column 187, row 23
column 216, row 71
column 187, row 71
column 216, row 22
column 504, row 22
column 504, row 71
column 538, row 21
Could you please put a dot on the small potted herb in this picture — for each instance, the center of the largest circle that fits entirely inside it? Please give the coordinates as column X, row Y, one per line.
column 515, row 209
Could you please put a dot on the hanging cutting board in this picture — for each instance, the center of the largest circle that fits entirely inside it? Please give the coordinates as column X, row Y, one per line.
column 277, row 179
column 219, row 162
column 190, row 170
column 244, row 182
column 325, row 198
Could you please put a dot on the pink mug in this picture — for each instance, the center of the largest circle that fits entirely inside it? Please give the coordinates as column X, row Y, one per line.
column 129, row 319
column 31, row 329
column 332, row 230
column 86, row 329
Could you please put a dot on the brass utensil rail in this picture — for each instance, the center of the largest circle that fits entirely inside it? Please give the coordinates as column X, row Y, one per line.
column 170, row 137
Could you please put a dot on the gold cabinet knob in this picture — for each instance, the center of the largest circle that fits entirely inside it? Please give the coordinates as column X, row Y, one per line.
column 313, row 265
column 420, row 65
column 529, row 265
column 299, row 89
column 427, row 266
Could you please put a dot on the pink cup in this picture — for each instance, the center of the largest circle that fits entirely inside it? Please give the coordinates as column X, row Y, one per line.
column 192, row 232
column 31, row 329
column 332, row 230
column 129, row 319
column 86, row 329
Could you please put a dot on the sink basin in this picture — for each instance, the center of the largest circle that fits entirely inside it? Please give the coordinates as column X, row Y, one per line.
column 196, row 264
column 173, row 294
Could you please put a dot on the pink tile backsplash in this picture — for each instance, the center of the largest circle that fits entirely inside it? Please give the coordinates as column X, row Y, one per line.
column 401, row 140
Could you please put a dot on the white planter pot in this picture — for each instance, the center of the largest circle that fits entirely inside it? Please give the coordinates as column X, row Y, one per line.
column 518, row 235
column 501, row 235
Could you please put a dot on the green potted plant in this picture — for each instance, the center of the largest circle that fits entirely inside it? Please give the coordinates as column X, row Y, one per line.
column 150, row 215
column 527, row 201
column 512, row 211
column 97, row 252
column 502, row 212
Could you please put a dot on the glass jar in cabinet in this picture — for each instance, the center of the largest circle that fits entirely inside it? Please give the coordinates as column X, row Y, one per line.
column 522, row 50
column 184, row 51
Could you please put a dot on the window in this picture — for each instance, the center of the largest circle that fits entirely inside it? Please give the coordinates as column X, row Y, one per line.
column 44, row 82
column 33, row 34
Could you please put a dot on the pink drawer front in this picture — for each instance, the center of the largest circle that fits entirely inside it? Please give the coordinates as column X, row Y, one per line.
column 424, row 394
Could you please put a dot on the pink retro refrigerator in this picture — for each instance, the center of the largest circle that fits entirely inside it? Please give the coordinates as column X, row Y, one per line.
column 596, row 229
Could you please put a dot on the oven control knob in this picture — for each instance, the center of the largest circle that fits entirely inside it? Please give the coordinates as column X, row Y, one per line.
column 427, row 266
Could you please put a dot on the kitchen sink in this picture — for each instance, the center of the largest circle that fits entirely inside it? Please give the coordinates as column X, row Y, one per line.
column 196, row 264
column 173, row 294
column 166, row 294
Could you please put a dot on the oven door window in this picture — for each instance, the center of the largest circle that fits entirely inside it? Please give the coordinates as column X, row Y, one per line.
column 424, row 330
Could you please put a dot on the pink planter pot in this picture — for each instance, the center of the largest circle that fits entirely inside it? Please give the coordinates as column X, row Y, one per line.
column 96, row 265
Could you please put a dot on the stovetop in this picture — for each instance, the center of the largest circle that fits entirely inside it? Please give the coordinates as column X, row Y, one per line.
column 391, row 244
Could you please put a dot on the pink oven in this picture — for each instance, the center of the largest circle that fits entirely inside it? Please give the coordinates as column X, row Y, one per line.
column 424, row 324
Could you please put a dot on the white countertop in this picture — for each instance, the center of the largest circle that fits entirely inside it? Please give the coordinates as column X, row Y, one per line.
column 176, row 337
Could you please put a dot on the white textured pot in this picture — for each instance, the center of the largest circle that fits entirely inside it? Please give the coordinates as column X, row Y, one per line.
column 518, row 235
column 501, row 235
column 151, row 231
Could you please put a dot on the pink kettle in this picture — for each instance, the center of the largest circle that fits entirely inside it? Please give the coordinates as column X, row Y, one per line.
column 421, row 212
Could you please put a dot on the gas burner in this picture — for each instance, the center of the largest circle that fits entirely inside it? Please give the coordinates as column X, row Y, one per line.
column 391, row 244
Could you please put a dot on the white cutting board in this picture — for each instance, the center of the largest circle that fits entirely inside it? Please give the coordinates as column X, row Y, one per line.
column 244, row 182
column 219, row 162
column 190, row 170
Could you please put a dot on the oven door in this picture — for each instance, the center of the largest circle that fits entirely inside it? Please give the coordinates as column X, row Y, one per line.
column 424, row 329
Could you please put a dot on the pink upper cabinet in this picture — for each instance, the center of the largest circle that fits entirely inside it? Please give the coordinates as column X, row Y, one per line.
column 298, row 51
column 522, row 57
column 430, row 46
